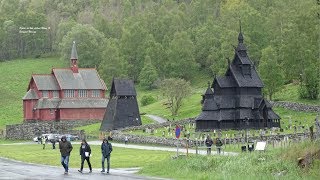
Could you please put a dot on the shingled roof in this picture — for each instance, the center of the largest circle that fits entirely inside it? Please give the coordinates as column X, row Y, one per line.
column 83, row 103
column 31, row 94
column 45, row 103
column 122, row 87
column 225, row 81
column 86, row 78
column 45, row 82
column 245, row 81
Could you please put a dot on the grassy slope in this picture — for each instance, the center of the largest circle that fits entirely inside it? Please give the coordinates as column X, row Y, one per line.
column 14, row 78
column 256, row 165
column 290, row 93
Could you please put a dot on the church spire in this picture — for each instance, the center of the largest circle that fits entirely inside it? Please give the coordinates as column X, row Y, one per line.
column 74, row 54
column 241, row 48
column 240, row 36
column 74, row 58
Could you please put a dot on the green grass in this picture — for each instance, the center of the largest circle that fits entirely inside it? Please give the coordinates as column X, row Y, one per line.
column 256, row 165
column 191, row 106
column 120, row 157
column 14, row 79
column 297, row 117
column 5, row 141
column 290, row 93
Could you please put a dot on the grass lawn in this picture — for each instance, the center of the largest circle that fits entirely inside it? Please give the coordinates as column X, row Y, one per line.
column 191, row 106
column 5, row 141
column 120, row 158
column 255, row 165
column 290, row 93
column 14, row 79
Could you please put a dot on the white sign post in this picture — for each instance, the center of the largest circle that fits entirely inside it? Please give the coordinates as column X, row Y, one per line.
column 261, row 146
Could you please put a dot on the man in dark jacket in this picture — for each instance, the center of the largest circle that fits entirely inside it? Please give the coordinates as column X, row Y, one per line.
column 65, row 149
column 106, row 149
column 85, row 152
column 218, row 145
column 209, row 143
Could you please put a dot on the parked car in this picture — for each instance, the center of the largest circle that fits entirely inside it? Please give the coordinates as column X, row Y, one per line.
column 49, row 137
column 70, row 137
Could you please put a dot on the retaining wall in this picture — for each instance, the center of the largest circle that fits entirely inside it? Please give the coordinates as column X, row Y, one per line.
column 30, row 130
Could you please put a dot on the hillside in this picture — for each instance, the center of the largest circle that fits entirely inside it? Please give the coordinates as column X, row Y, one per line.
column 14, row 78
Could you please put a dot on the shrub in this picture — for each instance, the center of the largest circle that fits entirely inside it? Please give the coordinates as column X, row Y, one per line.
column 146, row 100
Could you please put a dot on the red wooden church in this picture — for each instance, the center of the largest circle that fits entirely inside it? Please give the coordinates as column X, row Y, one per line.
column 66, row 94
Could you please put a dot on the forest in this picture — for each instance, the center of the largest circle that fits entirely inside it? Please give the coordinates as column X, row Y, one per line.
column 152, row 40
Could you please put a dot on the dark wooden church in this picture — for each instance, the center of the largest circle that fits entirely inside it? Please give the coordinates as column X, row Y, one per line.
column 236, row 101
column 122, row 109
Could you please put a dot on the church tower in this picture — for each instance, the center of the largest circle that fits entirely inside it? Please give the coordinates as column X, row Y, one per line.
column 74, row 58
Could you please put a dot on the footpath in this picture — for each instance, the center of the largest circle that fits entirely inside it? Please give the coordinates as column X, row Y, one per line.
column 159, row 148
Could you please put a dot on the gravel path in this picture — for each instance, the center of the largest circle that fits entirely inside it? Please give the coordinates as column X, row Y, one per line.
column 156, row 118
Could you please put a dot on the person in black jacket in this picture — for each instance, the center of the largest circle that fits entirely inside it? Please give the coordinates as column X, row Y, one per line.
column 209, row 143
column 218, row 145
column 65, row 150
column 106, row 149
column 85, row 152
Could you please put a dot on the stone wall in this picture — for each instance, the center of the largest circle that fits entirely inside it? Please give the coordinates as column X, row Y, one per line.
column 140, row 139
column 30, row 130
column 160, row 125
column 296, row 106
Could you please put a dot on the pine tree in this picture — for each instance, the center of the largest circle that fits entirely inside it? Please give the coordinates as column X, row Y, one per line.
column 148, row 74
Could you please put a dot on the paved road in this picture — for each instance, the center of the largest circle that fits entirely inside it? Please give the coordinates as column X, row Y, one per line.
column 10, row 169
column 156, row 118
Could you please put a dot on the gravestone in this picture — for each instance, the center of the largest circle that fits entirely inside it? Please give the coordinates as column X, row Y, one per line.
column 317, row 126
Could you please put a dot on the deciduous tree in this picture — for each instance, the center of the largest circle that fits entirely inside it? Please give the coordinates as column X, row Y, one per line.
column 175, row 90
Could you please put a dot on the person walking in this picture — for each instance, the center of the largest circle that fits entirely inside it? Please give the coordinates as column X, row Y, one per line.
column 65, row 150
column 53, row 142
column 208, row 143
column 126, row 140
column 106, row 149
column 43, row 142
column 85, row 152
column 218, row 145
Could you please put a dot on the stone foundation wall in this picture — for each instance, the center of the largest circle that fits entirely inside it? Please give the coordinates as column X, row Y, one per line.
column 120, row 136
column 296, row 106
column 29, row 130
column 160, row 125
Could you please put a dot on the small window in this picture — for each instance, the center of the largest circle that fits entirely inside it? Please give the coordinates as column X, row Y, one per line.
column 82, row 93
column 68, row 93
column 55, row 94
column 95, row 93
column 45, row 94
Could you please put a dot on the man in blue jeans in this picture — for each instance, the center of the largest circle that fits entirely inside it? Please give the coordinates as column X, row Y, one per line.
column 106, row 149
column 65, row 149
